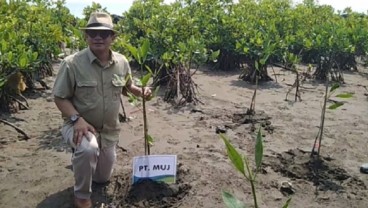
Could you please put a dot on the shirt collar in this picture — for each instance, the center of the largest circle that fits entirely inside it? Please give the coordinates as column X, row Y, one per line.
column 92, row 57
column 113, row 57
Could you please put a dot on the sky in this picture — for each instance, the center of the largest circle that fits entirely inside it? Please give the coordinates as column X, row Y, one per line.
column 119, row 6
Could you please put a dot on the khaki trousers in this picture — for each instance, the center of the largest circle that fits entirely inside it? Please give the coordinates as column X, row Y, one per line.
column 90, row 162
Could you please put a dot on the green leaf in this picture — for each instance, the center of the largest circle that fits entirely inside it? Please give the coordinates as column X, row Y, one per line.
column 308, row 43
column 167, row 57
column 154, row 94
column 334, row 87
column 2, row 82
column 259, row 150
column 233, row 155
column 214, row 55
column 238, row 45
column 34, row 56
column 148, row 69
column 134, row 51
column 263, row 61
column 246, row 50
column 182, row 47
column 145, row 79
column 335, row 105
column 259, row 41
column 149, row 139
column 4, row 46
column 138, row 82
column 257, row 65
column 286, row 205
column 144, row 50
column 10, row 56
column 345, row 95
column 133, row 100
column 23, row 61
column 230, row 201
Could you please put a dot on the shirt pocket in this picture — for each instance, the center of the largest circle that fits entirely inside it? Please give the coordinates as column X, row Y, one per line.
column 86, row 91
column 118, row 82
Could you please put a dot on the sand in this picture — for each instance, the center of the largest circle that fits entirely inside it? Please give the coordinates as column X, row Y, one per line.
column 37, row 172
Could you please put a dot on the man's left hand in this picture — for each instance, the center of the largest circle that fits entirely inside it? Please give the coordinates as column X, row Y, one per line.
column 147, row 93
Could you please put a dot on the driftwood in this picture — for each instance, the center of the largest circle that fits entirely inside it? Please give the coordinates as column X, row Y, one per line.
column 26, row 137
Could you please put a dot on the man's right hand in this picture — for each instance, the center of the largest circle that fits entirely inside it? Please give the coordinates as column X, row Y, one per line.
column 81, row 128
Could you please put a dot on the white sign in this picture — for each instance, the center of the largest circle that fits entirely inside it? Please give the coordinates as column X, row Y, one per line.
column 155, row 167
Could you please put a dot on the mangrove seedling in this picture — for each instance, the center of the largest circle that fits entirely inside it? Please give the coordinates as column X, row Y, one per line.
column 140, row 55
column 243, row 166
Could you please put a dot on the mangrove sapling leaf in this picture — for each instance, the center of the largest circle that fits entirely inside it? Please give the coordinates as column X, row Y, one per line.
column 148, row 69
column 138, row 82
column 345, row 95
column 214, row 55
column 133, row 100
column 143, row 51
column 149, row 139
column 339, row 104
column 286, row 205
column 145, row 79
column 259, row 150
column 335, row 105
column 234, row 156
column 134, row 51
column 334, row 87
column 155, row 93
column 232, row 202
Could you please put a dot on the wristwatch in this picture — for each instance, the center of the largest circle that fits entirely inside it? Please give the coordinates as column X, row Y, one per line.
column 74, row 118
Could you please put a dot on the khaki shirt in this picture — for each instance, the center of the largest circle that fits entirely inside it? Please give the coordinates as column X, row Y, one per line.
column 94, row 90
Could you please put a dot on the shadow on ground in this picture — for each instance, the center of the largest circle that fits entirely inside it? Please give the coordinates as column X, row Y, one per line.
column 62, row 199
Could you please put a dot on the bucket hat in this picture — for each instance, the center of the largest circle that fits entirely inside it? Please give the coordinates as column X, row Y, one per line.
column 99, row 21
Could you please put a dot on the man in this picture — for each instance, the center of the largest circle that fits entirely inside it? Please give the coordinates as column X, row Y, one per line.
column 87, row 91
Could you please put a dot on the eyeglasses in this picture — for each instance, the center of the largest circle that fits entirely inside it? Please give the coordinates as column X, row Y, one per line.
column 102, row 33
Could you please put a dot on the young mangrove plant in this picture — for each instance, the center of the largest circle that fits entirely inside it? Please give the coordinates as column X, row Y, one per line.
column 252, row 108
column 336, row 104
column 315, row 154
column 184, row 63
column 243, row 166
column 140, row 55
column 291, row 60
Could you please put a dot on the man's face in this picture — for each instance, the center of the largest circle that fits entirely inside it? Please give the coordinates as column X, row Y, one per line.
column 99, row 40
